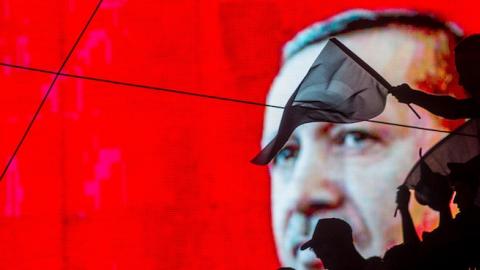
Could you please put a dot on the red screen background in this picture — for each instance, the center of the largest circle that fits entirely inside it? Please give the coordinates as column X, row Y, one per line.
column 116, row 177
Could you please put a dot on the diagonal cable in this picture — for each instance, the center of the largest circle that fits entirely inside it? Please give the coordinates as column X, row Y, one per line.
column 143, row 86
column 45, row 96
column 182, row 92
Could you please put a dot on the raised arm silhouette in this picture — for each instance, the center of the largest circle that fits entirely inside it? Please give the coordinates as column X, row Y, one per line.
column 467, row 62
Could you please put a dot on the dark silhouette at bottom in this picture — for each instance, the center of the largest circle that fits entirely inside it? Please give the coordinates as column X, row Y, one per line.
column 454, row 244
column 332, row 242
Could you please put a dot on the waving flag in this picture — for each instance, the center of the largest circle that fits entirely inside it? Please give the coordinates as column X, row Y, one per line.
column 339, row 87
column 460, row 146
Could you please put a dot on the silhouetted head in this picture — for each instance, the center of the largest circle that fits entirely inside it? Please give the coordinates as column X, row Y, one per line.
column 433, row 189
column 464, row 179
column 401, row 257
column 467, row 61
column 332, row 242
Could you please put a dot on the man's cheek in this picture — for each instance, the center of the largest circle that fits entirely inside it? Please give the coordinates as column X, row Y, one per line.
column 282, row 202
column 376, row 178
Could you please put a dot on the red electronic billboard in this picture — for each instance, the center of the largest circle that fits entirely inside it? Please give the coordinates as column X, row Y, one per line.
column 117, row 173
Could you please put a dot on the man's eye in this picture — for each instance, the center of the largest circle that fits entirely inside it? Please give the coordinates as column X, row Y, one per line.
column 355, row 139
column 288, row 154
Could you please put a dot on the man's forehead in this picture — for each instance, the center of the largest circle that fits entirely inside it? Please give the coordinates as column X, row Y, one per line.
column 391, row 51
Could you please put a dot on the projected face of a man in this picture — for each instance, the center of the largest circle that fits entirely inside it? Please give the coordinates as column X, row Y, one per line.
column 351, row 171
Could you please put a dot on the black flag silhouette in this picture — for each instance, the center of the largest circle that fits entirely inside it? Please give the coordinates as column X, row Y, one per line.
column 460, row 146
column 339, row 87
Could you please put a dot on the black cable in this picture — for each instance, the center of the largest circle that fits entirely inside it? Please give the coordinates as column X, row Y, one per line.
column 182, row 92
column 45, row 96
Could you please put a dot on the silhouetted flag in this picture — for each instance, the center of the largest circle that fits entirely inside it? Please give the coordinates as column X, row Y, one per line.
column 460, row 146
column 339, row 87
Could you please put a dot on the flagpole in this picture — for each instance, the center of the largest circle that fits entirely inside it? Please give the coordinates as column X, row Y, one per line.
column 369, row 69
column 413, row 110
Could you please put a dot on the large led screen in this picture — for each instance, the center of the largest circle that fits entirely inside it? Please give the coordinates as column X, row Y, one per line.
column 139, row 155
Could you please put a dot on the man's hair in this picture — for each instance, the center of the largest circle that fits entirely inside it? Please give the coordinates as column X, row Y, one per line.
column 361, row 19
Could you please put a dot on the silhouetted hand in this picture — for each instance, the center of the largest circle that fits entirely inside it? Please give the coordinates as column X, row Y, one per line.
column 403, row 197
column 403, row 93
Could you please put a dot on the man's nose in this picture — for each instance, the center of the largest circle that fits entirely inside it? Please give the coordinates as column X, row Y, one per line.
column 319, row 193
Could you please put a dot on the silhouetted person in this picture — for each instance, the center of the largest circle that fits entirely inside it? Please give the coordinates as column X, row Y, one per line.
column 464, row 232
column 408, row 254
column 454, row 244
column 411, row 254
column 467, row 62
column 433, row 190
column 332, row 242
